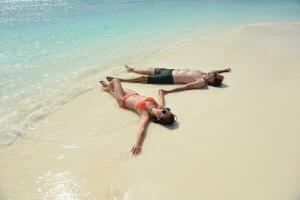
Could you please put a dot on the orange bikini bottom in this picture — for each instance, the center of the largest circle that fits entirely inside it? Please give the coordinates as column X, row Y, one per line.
column 126, row 96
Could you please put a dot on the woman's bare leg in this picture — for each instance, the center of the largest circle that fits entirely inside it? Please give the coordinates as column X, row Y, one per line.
column 116, row 89
column 144, row 71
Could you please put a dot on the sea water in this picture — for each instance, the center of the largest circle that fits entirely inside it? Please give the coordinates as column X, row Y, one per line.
column 53, row 50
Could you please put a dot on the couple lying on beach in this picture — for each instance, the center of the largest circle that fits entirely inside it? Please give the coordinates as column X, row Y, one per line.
column 147, row 107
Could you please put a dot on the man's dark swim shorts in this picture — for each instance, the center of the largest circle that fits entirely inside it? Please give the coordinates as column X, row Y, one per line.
column 161, row 76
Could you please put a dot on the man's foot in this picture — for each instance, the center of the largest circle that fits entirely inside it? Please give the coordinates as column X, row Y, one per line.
column 109, row 78
column 129, row 69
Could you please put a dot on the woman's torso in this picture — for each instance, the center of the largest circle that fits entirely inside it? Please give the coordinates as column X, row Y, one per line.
column 138, row 102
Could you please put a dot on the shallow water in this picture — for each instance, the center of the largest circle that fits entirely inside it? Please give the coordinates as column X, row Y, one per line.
column 53, row 50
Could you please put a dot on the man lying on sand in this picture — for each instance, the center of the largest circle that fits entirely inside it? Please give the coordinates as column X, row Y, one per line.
column 191, row 79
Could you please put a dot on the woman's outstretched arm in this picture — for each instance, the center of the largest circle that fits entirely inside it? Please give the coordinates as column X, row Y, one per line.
column 137, row 147
column 162, row 100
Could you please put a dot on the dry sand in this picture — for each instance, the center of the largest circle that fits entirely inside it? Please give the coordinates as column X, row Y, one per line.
column 241, row 141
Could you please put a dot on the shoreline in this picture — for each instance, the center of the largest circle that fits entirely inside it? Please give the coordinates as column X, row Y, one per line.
column 233, row 140
column 87, row 82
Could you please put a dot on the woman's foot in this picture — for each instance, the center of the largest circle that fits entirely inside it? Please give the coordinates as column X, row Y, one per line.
column 129, row 69
column 104, row 85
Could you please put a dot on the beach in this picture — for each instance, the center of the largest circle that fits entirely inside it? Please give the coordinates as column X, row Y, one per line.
column 239, row 141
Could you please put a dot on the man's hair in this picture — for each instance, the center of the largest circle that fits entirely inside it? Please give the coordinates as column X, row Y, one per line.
column 217, row 82
column 166, row 119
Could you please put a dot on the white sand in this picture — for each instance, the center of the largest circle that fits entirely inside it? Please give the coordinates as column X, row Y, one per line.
column 241, row 141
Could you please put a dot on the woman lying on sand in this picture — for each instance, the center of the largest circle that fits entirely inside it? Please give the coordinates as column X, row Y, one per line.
column 146, row 107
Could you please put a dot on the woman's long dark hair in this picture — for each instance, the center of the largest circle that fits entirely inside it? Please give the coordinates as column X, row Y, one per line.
column 166, row 119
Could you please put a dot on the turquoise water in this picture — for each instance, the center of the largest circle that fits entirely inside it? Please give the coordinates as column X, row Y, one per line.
column 53, row 50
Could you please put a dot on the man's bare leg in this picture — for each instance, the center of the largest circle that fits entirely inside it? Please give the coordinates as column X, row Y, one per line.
column 143, row 71
column 139, row 79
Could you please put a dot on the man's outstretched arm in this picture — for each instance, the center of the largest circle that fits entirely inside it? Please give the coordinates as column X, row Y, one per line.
column 194, row 85
column 222, row 71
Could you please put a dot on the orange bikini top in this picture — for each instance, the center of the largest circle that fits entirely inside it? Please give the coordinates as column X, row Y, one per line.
column 142, row 103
